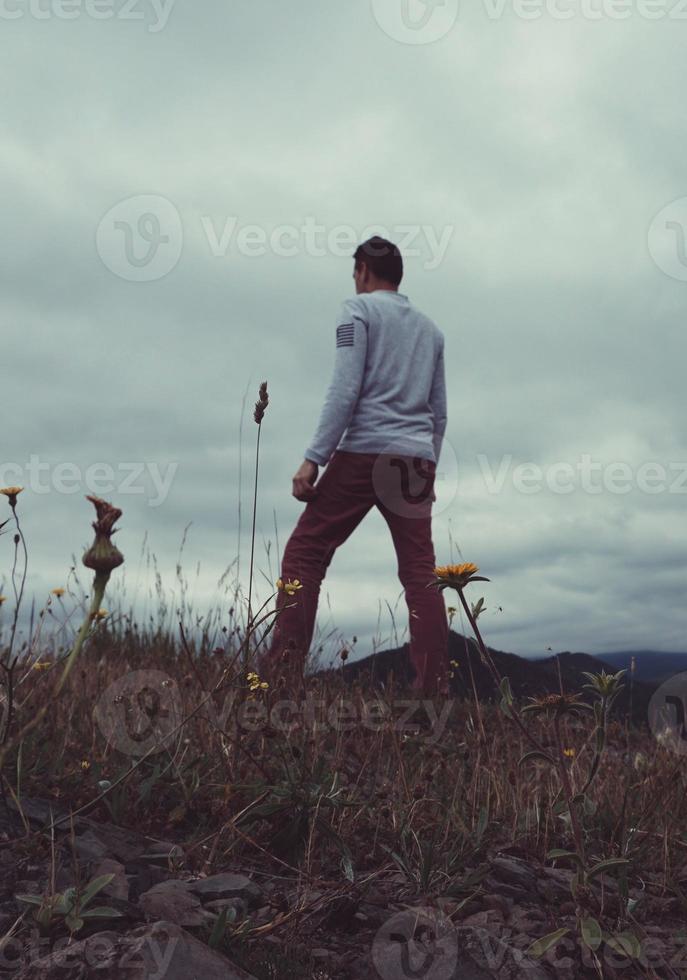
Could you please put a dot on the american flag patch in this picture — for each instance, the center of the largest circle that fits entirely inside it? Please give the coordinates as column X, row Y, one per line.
column 344, row 335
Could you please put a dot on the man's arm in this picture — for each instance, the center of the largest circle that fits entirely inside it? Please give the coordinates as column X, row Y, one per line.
column 344, row 388
column 437, row 401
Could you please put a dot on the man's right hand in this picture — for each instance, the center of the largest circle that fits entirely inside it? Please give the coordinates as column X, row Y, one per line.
column 303, row 481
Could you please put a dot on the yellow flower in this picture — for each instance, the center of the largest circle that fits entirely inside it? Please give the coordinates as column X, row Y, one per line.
column 41, row 665
column 58, row 592
column 11, row 493
column 85, row 765
column 101, row 614
column 254, row 682
column 454, row 663
column 289, row 587
column 457, row 576
column 569, row 753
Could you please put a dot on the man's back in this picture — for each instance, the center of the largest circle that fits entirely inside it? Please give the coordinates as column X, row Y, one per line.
column 388, row 391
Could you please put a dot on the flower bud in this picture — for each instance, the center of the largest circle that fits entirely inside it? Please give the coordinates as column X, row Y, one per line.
column 103, row 556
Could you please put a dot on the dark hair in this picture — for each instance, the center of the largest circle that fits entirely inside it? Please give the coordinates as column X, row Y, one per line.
column 382, row 258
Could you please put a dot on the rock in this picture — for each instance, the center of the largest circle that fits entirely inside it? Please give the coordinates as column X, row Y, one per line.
column 554, row 884
column 162, row 950
column 145, row 876
column 490, row 918
column 172, row 900
column 227, row 886
column 515, row 892
column 514, row 872
column 89, row 847
column 501, row 902
column 119, row 886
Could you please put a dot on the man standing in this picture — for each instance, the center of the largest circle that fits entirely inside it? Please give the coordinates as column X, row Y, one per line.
column 388, row 395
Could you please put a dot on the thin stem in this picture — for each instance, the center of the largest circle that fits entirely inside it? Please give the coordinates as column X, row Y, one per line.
column 486, row 656
column 252, row 544
column 99, row 584
column 18, row 594
column 568, row 790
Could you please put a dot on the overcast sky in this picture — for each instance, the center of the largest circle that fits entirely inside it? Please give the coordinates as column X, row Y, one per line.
column 182, row 185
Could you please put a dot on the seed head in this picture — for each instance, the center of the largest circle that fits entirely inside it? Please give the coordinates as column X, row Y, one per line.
column 261, row 403
column 103, row 556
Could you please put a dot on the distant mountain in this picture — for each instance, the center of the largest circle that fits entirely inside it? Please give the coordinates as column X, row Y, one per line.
column 528, row 678
column 651, row 666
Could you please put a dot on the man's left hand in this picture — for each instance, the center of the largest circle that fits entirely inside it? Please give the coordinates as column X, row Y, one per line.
column 303, row 481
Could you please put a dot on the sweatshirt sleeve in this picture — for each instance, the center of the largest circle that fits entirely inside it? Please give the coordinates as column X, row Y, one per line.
column 344, row 389
column 437, row 401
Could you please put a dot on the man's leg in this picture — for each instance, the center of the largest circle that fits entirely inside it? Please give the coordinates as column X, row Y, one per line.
column 345, row 496
column 411, row 531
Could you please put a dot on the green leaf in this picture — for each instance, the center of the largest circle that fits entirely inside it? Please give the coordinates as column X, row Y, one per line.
column 101, row 912
column 219, row 928
column 262, row 810
column 30, row 899
column 541, row 946
column 602, row 866
column 506, row 691
column 591, row 932
column 73, row 923
column 625, row 943
column 93, row 887
column 556, row 855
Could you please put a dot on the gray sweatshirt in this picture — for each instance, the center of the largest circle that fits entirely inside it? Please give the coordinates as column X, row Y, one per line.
column 388, row 390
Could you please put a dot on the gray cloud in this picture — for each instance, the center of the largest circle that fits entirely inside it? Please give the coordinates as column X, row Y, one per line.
column 545, row 147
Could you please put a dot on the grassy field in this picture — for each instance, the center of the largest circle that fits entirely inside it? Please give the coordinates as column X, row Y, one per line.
column 538, row 837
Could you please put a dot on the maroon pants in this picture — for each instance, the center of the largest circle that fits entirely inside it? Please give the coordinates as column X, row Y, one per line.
column 402, row 487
